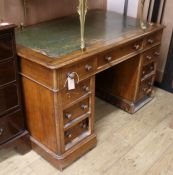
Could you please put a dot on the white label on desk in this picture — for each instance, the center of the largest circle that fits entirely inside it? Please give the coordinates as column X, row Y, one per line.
column 71, row 83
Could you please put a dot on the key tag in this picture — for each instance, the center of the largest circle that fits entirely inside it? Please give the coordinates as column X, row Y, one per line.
column 71, row 83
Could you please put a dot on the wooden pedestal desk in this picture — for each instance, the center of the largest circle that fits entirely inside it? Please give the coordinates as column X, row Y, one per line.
column 61, row 121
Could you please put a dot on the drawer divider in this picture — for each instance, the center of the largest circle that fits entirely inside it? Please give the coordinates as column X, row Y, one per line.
column 76, row 121
column 77, row 101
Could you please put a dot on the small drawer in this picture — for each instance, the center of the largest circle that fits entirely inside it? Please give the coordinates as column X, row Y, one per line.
column 151, row 56
column 106, row 58
column 79, row 70
column 130, row 48
column 7, row 72
column 146, row 87
column 153, row 39
column 114, row 54
column 69, row 96
column 10, row 126
column 148, row 69
column 6, row 46
column 76, row 131
column 8, row 98
column 76, row 111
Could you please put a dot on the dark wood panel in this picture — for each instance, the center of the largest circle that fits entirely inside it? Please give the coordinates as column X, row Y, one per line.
column 8, row 98
column 11, row 125
column 7, row 72
column 6, row 46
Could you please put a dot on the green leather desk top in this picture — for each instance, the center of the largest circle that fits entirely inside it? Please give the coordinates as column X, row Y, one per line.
column 60, row 37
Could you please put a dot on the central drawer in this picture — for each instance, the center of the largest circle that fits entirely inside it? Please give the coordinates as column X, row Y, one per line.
column 114, row 54
column 76, row 111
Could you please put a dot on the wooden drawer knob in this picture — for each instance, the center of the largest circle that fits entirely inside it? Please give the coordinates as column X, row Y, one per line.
column 151, row 67
column 144, row 89
column 108, row 58
column 86, row 88
column 149, row 83
column 88, row 67
column 150, row 41
column 68, row 116
column 143, row 72
column 149, row 58
column 83, row 125
column 149, row 91
column 136, row 46
column 84, row 106
column 68, row 134
column 1, row 131
column 71, row 75
column 156, row 53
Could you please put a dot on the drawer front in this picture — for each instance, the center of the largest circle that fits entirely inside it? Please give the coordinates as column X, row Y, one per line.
column 153, row 39
column 75, row 131
column 148, row 69
column 76, row 111
column 106, row 58
column 83, row 88
column 6, row 46
column 146, row 87
column 7, row 72
column 10, row 126
column 151, row 56
column 82, row 70
column 119, row 52
column 8, row 98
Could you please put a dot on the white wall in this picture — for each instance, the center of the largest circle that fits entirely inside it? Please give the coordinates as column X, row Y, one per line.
column 118, row 6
